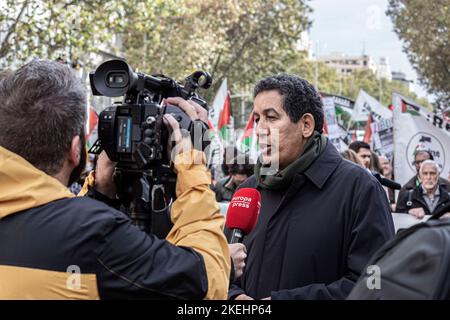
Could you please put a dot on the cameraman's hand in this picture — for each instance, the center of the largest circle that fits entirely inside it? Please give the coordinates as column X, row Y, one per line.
column 181, row 137
column 191, row 108
column 104, row 172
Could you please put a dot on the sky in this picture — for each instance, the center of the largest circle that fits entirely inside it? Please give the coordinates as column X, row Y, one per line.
column 351, row 26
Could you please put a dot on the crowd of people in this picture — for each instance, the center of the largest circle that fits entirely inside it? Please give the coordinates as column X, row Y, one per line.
column 323, row 214
column 424, row 194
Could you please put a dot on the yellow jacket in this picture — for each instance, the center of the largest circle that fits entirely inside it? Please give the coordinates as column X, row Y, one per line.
column 59, row 229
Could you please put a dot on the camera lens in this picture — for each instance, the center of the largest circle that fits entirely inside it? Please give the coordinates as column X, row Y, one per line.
column 201, row 80
column 117, row 79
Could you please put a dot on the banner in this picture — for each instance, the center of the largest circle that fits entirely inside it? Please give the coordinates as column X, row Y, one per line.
column 342, row 104
column 383, row 137
column 331, row 125
column 366, row 104
column 415, row 128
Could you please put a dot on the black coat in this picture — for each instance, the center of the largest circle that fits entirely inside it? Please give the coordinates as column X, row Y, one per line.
column 313, row 240
column 414, row 182
column 418, row 201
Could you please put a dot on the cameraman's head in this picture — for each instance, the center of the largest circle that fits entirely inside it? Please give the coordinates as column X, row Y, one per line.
column 42, row 115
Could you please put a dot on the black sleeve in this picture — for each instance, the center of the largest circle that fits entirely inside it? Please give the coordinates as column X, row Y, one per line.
column 401, row 202
column 372, row 227
column 134, row 265
column 94, row 194
column 235, row 290
column 401, row 194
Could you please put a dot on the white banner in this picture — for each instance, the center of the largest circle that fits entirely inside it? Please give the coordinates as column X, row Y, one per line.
column 334, row 132
column 415, row 128
column 383, row 137
column 364, row 104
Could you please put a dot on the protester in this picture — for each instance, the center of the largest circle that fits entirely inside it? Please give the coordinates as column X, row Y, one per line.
column 351, row 155
column 375, row 165
column 420, row 156
column 429, row 197
column 321, row 217
column 240, row 169
column 46, row 234
column 386, row 167
column 388, row 172
column 362, row 149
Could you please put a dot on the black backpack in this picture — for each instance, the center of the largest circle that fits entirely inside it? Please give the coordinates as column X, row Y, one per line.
column 413, row 265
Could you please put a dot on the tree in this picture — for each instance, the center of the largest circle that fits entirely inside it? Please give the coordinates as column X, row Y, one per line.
column 424, row 27
column 327, row 78
column 242, row 40
column 33, row 28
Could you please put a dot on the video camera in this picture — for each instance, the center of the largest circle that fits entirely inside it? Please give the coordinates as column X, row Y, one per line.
column 133, row 134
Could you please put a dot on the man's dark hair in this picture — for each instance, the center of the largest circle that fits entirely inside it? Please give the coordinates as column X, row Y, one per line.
column 356, row 145
column 42, row 108
column 299, row 97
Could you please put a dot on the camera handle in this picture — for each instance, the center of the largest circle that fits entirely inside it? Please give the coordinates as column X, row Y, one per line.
column 146, row 199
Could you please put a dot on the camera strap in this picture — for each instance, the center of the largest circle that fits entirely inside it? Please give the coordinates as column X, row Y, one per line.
column 159, row 196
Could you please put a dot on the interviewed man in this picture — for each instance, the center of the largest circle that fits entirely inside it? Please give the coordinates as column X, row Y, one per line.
column 321, row 218
column 46, row 233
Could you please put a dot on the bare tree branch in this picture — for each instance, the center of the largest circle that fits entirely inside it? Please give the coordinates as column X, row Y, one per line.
column 5, row 44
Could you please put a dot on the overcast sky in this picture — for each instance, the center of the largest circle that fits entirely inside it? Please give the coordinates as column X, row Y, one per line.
column 351, row 26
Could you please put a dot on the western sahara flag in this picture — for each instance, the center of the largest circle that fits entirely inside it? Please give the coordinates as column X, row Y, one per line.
column 217, row 106
column 248, row 140
column 225, row 121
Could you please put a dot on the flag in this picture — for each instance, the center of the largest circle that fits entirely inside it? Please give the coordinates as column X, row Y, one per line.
column 368, row 134
column 416, row 128
column 218, row 103
column 366, row 104
column 91, row 128
column 248, row 139
column 225, row 121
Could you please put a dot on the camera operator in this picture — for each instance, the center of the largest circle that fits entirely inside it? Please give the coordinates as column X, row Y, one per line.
column 57, row 246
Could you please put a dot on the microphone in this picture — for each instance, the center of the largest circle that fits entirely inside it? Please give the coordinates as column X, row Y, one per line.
column 242, row 213
column 386, row 182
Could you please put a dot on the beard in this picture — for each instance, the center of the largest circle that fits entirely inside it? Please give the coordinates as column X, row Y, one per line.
column 76, row 173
